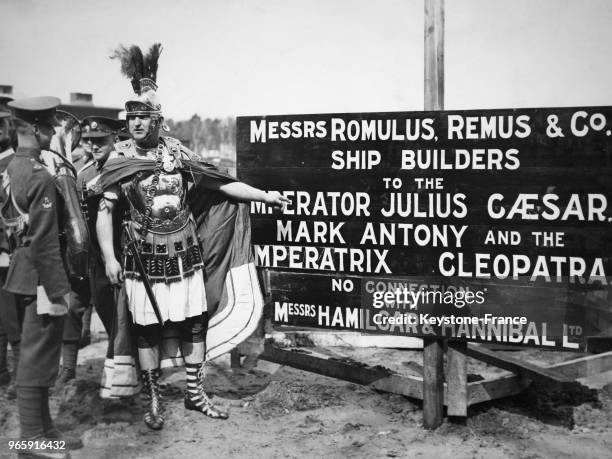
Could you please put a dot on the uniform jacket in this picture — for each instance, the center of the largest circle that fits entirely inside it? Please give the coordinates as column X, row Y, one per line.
column 38, row 261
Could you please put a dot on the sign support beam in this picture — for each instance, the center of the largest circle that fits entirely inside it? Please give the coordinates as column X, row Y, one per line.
column 433, row 374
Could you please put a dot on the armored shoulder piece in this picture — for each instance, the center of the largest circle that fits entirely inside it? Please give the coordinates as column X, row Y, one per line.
column 178, row 149
column 124, row 148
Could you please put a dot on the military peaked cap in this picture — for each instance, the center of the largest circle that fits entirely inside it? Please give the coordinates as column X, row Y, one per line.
column 36, row 110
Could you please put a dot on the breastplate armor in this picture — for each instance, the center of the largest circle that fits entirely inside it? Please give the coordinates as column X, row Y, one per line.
column 170, row 248
column 169, row 199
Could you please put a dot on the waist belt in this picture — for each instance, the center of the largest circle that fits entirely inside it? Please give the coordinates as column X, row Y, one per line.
column 159, row 225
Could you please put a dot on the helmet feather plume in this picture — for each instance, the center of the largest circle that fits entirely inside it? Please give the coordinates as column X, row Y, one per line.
column 141, row 70
column 135, row 65
column 151, row 60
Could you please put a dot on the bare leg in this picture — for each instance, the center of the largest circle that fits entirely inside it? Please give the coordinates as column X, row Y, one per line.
column 148, row 358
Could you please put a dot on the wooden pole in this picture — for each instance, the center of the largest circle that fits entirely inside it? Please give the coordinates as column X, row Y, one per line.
column 433, row 370
column 434, row 54
column 433, row 382
column 456, row 379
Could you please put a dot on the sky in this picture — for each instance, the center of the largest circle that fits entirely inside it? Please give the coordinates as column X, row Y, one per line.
column 273, row 57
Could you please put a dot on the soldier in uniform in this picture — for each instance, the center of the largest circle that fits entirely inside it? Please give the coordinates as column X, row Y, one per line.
column 150, row 176
column 36, row 273
column 98, row 135
column 9, row 323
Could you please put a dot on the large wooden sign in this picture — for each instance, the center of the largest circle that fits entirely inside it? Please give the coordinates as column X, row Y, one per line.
column 489, row 225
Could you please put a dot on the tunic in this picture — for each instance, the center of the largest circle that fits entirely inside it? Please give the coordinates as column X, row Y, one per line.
column 35, row 261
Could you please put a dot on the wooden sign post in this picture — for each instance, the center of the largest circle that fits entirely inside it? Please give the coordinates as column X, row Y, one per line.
column 433, row 349
column 434, row 55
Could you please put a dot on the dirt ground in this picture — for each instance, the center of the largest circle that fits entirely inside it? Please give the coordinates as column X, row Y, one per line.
column 277, row 411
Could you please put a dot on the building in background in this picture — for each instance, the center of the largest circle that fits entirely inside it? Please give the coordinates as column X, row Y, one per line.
column 81, row 105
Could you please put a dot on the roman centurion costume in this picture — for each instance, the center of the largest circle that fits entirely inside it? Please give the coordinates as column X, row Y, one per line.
column 169, row 249
column 188, row 265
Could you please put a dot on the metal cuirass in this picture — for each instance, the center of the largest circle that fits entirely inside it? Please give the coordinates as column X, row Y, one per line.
column 170, row 248
column 168, row 207
column 169, row 199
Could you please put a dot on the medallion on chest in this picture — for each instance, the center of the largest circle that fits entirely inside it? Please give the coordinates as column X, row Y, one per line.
column 169, row 158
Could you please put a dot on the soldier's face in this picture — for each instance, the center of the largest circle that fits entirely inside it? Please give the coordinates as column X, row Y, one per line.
column 99, row 147
column 142, row 128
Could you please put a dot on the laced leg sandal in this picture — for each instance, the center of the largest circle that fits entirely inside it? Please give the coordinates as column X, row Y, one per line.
column 153, row 418
column 195, row 396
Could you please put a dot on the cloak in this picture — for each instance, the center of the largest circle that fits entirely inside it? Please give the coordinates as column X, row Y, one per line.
column 233, row 294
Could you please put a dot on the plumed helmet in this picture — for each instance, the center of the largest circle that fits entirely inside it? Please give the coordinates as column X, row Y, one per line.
column 141, row 69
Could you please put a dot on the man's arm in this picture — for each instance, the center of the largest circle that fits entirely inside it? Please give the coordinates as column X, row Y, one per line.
column 243, row 192
column 104, row 230
column 44, row 242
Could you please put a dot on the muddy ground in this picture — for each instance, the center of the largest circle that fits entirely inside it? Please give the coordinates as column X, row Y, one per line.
column 277, row 411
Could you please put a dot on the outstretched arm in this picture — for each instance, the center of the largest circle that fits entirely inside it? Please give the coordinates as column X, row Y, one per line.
column 243, row 192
